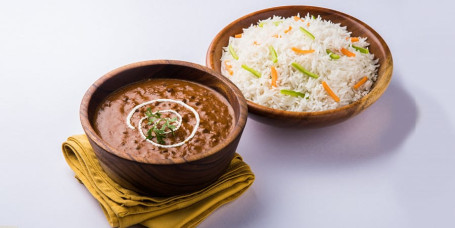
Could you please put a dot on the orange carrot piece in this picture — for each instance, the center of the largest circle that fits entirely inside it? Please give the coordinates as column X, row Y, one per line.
column 230, row 71
column 298, row 19
column 255, row 43
column 308, row 24
column 330, row 92
column 238, row 35
column 228, row 67
column 287, row 30
column 347, row 53
column 353, row 39
column 300, row 51
column 274, row 76
column 277, row 36
column 360, row 83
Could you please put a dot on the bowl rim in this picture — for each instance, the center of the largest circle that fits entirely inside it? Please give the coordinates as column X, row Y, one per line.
column 91, row 133
column 255, row 108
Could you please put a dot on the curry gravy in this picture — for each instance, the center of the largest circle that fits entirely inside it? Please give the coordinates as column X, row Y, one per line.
column 212, row 124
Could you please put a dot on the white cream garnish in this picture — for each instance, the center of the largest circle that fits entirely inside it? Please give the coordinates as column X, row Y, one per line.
column 179, row 121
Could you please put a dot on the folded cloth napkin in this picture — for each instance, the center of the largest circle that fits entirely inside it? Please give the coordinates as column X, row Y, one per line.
column 124, row 207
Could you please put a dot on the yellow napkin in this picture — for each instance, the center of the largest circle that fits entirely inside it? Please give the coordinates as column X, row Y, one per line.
column 124, row 207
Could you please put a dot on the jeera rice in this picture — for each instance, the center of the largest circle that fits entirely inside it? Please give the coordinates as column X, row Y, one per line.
column 299, row 64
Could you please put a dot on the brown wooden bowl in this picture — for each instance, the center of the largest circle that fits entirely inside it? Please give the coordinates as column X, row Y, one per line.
column 309, row 119
column 163, row 177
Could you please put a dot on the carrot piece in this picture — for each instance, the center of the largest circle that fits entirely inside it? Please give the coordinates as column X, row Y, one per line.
column 360, row 83
column 277, row 36
column 287, row 30
column 308, row 24
column 238, row 35
column 300, row 51
column 347, row 53
column 354, row 39
column 330, row 92
column 274, row 76
column 298, row 19
column 230, row 71
column 228, row 67
column 255, row 43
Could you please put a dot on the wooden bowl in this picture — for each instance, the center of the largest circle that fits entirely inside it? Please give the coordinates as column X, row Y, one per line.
column 309, row 119
column 166, row 176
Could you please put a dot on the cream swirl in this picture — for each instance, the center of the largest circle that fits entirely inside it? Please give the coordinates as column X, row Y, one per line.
column 179, row 121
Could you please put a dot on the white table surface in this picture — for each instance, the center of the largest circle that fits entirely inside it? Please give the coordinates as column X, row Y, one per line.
column 391, row 166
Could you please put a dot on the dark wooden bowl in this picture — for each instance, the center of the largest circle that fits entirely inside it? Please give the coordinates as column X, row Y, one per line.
column 167, row 176
column 309, row 119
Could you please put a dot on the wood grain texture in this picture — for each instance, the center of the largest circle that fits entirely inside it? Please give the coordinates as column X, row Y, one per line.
column 309, row 119
column 166, row 176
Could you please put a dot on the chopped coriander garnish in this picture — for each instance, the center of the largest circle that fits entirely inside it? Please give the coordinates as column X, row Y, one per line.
column 154, row 119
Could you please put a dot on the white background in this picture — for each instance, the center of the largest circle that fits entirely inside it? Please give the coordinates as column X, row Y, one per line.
column 391, row 166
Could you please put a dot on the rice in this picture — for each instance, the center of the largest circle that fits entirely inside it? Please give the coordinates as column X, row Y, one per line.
column 253, row 50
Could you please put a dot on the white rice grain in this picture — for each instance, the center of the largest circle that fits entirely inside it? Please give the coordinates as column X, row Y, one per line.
column 340, row 74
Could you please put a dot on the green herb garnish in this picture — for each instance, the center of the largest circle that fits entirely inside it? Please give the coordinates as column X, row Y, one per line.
column 156, row 131
column 152, row 116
